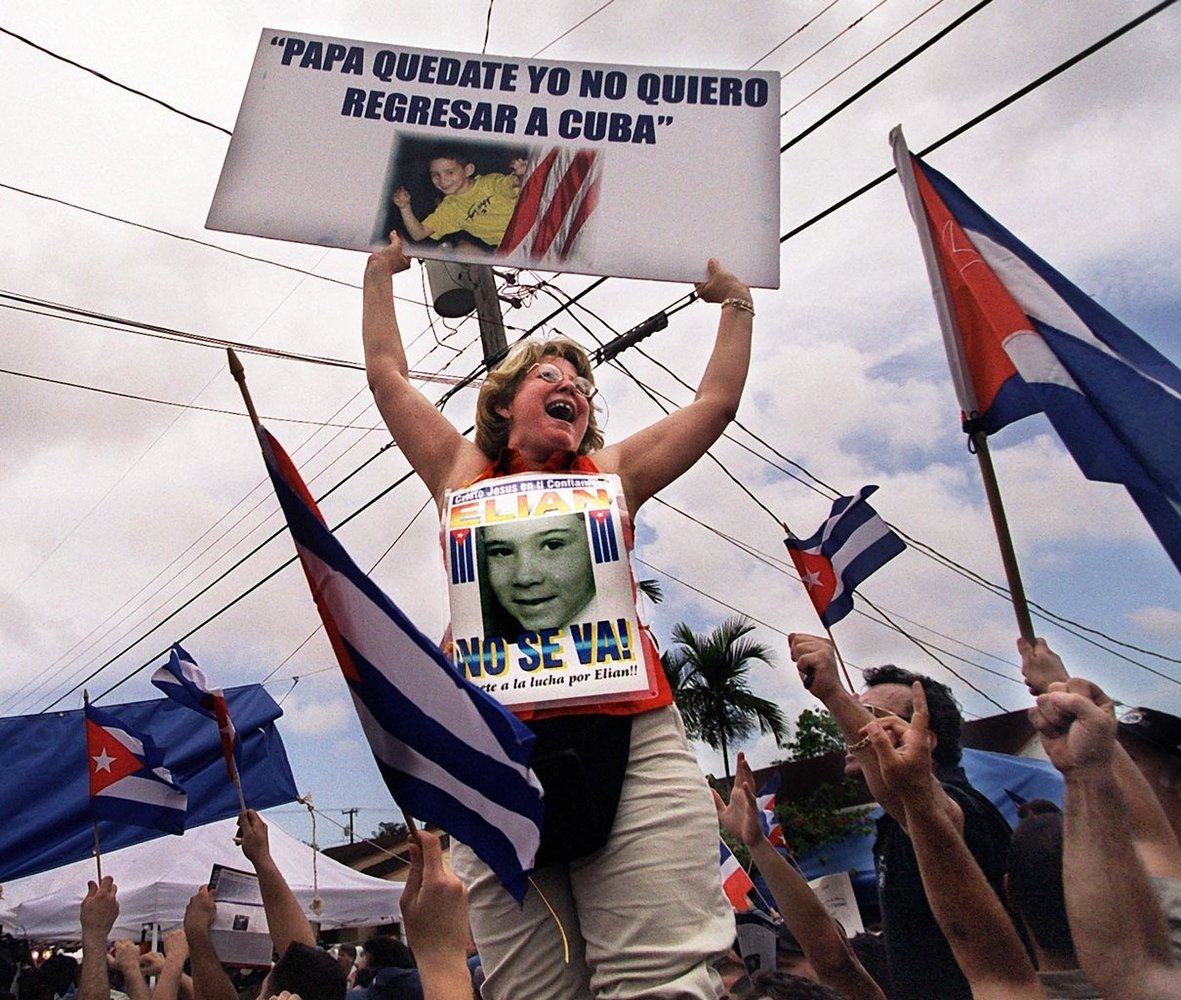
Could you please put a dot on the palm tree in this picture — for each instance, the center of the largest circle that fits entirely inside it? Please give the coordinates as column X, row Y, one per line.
column 707, row 674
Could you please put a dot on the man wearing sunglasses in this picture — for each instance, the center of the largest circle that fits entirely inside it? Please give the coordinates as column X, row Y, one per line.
column 921, row 963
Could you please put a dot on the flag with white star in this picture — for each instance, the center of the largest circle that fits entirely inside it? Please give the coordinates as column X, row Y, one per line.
column 851, row 544
column 128, row 780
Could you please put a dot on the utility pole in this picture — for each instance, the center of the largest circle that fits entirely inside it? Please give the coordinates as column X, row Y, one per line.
column 458, row 289
column 350, row 813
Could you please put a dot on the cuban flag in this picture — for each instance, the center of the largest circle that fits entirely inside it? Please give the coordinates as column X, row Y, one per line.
column 846, row 549
column 555, row 202
column 184, row 682
column 1021, row 339
column 765, row 801
column 736, row 883
column 128, row 780
column 462, row 553
column 449, row 753
column 603, row 540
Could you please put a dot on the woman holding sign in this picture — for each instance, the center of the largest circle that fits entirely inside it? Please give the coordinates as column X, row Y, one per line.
column 628, row 860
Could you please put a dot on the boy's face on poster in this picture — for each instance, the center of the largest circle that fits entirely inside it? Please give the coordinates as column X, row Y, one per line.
column 450, row 176
column 540, row 571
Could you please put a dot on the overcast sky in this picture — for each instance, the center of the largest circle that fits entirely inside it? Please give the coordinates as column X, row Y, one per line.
column 118, row 510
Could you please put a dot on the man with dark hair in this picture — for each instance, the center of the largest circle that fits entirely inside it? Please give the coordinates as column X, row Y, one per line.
column 392, row 971
column 921, row 963
column 1033, row 885
column 947, row 724
column 1152, row 739
column 313, row 974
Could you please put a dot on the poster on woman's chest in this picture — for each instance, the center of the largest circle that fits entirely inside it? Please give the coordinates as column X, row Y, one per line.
column 542, row 607
column 635, row 171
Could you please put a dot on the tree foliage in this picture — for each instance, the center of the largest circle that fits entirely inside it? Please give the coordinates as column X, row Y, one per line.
column 816, row 734
column 825, row 815
column 708, row 675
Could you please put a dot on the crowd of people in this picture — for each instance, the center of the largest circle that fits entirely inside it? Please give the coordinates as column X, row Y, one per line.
column 1078, row 901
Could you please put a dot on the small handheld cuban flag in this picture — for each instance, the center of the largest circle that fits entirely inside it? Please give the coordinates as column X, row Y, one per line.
column 128, row 780
column 846, row 549
column 765, row 800
column 185, row 682
column 736, row 883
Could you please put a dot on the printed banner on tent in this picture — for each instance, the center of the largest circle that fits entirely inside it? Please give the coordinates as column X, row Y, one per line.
column 542, row 609
column 596, row 169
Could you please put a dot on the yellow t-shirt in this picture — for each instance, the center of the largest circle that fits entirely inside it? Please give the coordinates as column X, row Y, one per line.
column 483, row 210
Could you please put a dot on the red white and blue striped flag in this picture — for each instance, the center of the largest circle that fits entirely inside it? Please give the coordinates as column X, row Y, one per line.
column 463, row 556
column 555, row 203
column 765, row 800
column 1021, row 338
column 449, row 753
column 846, row 549
column 736, row 883
column 184, row 682
column 128, row 780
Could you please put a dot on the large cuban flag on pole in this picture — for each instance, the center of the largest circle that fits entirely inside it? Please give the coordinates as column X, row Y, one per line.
column 1020, row 339
column 449, row 753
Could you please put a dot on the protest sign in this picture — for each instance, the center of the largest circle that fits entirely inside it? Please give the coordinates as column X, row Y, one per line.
column 542, row 608
column 597, row 169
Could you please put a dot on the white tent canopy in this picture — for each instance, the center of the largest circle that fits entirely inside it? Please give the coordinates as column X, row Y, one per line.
column 156, row 880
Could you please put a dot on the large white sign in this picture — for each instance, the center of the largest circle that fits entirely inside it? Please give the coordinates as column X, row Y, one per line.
column 598, row 169
column 542, row 607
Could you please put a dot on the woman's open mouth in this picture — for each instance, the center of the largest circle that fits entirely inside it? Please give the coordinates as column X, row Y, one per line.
column 560, row 409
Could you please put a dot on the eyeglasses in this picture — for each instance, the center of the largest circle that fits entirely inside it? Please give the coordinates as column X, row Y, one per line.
column 555, row 376
column 882, row 713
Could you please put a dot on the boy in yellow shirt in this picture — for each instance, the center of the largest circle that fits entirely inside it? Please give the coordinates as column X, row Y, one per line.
column 476, row 207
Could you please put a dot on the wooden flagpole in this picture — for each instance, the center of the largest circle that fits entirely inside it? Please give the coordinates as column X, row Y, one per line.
column 1000, row 524
column 239, row 373
column 236, row 780
column 98, row 858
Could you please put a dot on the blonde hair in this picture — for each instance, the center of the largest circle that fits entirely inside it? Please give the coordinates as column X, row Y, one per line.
column 502, row 383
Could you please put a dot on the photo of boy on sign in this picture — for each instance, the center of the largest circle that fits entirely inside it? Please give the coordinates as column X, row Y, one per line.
column 543, row 606
column 534, row 575
column 490, row 197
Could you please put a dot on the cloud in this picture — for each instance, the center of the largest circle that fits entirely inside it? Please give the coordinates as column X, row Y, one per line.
column 1159, row 623
column 307, row 717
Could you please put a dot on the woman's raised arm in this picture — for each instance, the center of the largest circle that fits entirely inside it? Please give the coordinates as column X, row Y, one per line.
column 650, row 459
column 439, row 454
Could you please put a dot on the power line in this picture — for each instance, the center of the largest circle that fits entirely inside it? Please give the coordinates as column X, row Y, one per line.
column 113, row 82
column 87, row 317
column 946, row 138
column 864, row 55
column 984, row 115
column 597, row 10
column 839, row 34
column 178, row 405
column 777, row 47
